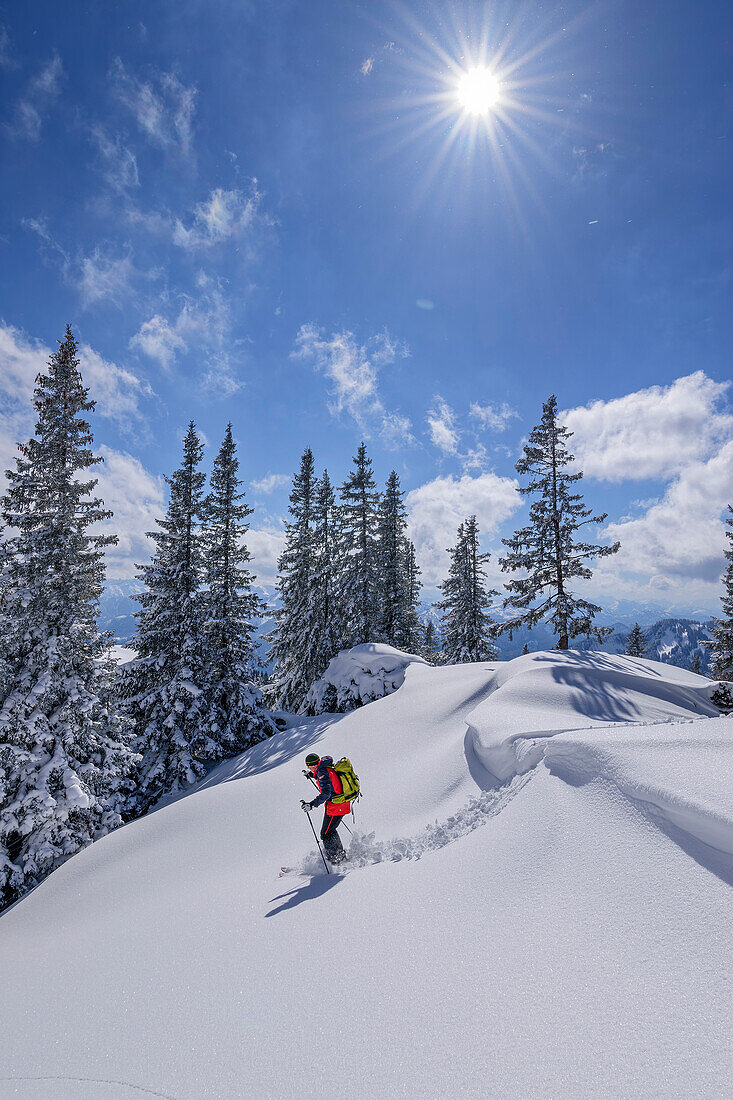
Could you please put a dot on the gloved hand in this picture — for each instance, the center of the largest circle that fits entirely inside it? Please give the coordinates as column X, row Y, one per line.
column 306, row 806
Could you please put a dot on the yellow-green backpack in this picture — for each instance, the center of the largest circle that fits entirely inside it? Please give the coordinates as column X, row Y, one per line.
column 349, row 781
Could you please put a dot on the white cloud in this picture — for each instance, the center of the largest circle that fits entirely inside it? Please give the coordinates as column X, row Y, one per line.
column 265, row 544
column 226, row 215
column 367, row 65
column 270, row 483
column 435, row 510
column 39, row 95
column 680, row 538
column 163, row 106
column 137, row 498
column 118, row 163
column 353, row 372
column 656, row 432
column 442, row 424
column 493, row 418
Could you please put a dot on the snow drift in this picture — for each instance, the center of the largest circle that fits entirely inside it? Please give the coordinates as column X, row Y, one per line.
column 562, row 933
column 358, row 676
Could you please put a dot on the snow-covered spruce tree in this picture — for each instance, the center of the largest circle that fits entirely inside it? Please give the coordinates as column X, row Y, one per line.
column 292, row 642
column 65, row 754
column 721, row 646
column 399, row 575
column 430, row 649
column 359, row 582
column 546, row 550
column 636, row 642
column 412, row 635
column 162, row 689
column 235, row 714
column 327, row 625
column 695, row 663
column 467, row 629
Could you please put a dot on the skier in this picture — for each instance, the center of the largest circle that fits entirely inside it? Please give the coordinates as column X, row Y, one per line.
column 320, row 769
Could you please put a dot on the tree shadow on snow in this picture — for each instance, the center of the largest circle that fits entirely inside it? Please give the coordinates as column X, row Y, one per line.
column 603, row 697
column 318, row 885
column 276, row 750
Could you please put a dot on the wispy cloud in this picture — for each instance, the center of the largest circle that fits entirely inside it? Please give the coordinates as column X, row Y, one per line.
column 103, row 277
column 226, row 215
column 353, row 373
column 441, row 421
column 270, row 483
column 40, row 94
column 162, row 106
column 203, row 323
column 97, row 276
column 117, row 162
column 159, row 340
column 494, row 418
column 7, row 60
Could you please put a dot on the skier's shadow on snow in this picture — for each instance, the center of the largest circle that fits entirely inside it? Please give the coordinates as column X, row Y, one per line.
column 318, row 885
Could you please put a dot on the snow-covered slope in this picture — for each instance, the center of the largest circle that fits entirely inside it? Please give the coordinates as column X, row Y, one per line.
column 564, row 934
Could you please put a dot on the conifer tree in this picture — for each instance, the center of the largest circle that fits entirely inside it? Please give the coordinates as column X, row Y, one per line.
column 547, row 551
column 235, row 714
column 721, row 646
column 431, row 644
column 411, row 633
column 525, row 650
column 163, row 688
column 466, row 627
column 327, row 623
column 65, row 755
column 358, row 595
column 636, row 642
column 398, row 572
column 292, row 642
column 695, row 663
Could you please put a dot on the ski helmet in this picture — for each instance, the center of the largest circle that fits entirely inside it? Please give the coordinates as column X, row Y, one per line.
column 311, row 760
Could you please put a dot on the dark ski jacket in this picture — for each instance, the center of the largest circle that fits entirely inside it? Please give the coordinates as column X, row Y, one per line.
column 323, row 777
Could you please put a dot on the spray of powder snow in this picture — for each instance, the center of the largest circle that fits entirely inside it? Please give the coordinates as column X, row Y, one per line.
column 364, row 849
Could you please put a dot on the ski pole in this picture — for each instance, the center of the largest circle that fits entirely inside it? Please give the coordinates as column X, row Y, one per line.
column 318, row 846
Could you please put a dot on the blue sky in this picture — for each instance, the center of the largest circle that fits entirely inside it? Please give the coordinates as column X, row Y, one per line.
column 279, row 213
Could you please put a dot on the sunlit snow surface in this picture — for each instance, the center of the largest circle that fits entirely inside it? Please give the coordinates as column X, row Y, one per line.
column 538, row 905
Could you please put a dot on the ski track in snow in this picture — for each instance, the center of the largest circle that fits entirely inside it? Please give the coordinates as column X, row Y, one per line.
column 364, row 850
column 94, row 1081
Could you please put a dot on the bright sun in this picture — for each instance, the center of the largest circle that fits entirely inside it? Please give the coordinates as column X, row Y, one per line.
column 478, row 91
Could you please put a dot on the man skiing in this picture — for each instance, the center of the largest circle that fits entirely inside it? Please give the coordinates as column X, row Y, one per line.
column 320, row 769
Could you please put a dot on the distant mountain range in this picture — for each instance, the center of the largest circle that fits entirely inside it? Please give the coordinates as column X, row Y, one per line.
column 674, row 635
